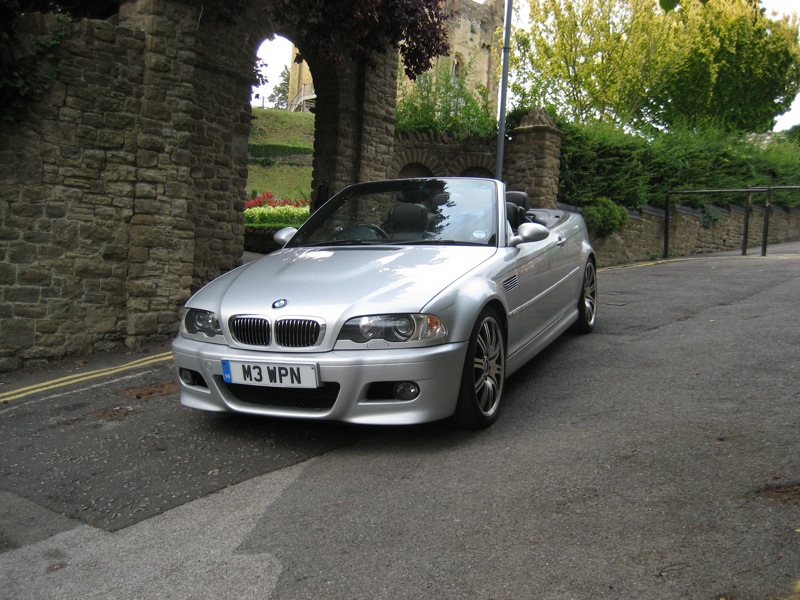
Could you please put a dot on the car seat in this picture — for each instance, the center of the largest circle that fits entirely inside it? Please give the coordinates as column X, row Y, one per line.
column 407, row 222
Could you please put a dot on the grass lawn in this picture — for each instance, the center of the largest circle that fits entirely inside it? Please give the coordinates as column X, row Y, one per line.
column 272, row 126
column 284, row 181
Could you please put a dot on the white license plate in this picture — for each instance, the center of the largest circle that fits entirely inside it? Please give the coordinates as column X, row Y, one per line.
column 270, row 374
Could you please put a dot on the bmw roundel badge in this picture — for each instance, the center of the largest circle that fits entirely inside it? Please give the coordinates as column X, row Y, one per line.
column 280, row 303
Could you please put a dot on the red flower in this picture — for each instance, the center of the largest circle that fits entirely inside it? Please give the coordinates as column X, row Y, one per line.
column 269, row 199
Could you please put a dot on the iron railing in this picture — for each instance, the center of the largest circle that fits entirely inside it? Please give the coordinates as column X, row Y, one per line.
column 748, row 209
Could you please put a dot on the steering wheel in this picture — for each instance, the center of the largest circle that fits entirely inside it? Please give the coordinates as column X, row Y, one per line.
column 360, row 231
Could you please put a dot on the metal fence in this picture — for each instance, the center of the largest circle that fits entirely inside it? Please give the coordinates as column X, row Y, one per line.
column 747, row 210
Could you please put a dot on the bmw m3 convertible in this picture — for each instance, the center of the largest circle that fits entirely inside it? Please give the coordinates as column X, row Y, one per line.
column 398, row 301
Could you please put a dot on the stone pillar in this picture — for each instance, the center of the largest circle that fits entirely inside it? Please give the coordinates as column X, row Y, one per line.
column 354, row 120
column 533, row 159
column 161, row 251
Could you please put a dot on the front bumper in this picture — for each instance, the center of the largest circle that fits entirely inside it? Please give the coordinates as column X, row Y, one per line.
column 347, row 377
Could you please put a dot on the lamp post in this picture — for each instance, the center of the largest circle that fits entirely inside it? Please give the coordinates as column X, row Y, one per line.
column 501, row 125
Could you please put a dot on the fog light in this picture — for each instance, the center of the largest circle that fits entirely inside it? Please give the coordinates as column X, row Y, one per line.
column 406, row 390
column 190, row 377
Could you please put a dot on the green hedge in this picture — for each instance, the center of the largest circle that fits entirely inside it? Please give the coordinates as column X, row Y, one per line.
column 276, row 216
column 601, row 161
column 274, row 150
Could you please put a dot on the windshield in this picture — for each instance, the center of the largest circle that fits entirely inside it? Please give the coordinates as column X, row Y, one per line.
column 406, row 211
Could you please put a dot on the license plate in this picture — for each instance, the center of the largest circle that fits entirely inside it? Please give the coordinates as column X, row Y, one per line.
column 270, row 374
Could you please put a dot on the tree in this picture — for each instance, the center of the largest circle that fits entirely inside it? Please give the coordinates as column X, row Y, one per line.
column 720, row 62
column 440, row 101
column 743, row 70
column 332, row 29
column 280, row 93
column 337, row 28
column 593, row 59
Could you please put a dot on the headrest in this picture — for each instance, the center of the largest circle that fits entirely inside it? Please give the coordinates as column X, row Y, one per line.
column 519, row 198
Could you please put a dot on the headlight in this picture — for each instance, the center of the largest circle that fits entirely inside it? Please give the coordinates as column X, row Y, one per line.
column 393, row 328
column 194, row 322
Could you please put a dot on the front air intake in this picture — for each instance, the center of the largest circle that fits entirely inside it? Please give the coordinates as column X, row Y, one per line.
column 297, row 333
column 253, row 331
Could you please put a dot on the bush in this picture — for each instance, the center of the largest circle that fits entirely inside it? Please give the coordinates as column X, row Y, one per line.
column 793, row 134
column 262, row 161
column 256, row 150
column 276, row 216
column 709, row 217
column 269, row 199
column 598, row 160
column 267, row 210
column 26, row 70
column 603, row 217
column 440, row 101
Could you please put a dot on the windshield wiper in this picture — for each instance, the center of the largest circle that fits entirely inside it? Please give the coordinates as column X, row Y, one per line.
column 437, row 242
column 347, row 243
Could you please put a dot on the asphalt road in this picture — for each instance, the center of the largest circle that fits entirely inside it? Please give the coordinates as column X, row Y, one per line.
column 656, row 458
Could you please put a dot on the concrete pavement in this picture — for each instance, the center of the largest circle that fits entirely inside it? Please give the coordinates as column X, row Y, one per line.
column 656, row 458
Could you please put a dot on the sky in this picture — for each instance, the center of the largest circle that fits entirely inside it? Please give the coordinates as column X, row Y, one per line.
column 277, row 53
column 785, row 7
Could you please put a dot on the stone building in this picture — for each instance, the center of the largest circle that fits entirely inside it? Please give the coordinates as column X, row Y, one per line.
column 474, row 42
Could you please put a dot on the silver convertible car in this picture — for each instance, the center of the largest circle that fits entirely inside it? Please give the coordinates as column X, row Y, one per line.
column 400, row 301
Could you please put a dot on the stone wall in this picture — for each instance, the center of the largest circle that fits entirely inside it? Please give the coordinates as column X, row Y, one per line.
column 532, row 158
column 418, row 154
column 643, row 237
column 68, row 181
column 122, row 188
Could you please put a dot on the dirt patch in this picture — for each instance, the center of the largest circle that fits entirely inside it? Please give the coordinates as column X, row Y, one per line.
column 113, row 413
column 785, row 493
column 152, row 391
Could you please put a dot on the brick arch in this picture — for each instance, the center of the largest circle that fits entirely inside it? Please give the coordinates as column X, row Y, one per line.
column 415, row 169
column 477, row 172
column 417, row 156
column 476, row 162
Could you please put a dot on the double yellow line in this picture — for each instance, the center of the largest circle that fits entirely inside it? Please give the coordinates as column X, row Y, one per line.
column 81, row 377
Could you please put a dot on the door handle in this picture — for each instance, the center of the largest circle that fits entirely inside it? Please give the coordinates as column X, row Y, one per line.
column 561, row 241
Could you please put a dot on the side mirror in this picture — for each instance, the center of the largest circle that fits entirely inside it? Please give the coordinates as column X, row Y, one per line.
column 282, row 236
column 529, row 232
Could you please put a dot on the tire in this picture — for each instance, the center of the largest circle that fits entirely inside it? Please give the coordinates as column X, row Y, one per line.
column 483, row 376
column 587, row 302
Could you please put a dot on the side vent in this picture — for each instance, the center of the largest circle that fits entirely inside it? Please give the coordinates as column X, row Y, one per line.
column 510, row 283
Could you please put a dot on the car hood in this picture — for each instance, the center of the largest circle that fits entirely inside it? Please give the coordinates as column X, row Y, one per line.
column 333, row 283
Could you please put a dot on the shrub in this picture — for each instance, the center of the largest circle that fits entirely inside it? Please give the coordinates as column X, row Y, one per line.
column 709, row 217
column 603, row 217
column 276, row 216
column 598, row 160
column 793, row 134
column 441, row 101
column 269, row 199
column 259, row 150
column 267, row 210
column 25, row 74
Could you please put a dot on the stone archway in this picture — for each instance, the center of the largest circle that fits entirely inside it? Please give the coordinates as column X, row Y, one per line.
column 125, row 193
column 415, row 169
column 477, row 172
